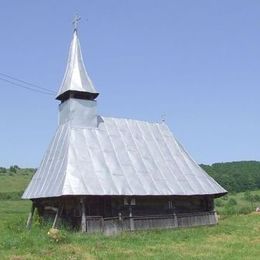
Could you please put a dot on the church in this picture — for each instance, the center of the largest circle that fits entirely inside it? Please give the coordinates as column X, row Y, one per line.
column 104, row 174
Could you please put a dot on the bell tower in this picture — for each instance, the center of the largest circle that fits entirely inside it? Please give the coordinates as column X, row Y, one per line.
column 77, row 92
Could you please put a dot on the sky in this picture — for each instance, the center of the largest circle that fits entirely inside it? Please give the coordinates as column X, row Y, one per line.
column 194, row 63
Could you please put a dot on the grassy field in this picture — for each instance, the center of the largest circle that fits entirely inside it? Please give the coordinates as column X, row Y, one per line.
column 238, row 203
column 14, row 183
column 237, row 236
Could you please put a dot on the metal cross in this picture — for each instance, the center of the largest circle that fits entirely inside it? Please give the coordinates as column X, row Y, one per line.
column 163, row 118
column 75, row 21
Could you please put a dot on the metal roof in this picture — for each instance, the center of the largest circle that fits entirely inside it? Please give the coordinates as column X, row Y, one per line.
column 118, row 157
column 93, row 155
column 76, row 77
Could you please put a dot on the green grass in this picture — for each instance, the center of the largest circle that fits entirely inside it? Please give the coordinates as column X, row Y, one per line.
column 235, row 237
column 242, row 206
column 14, row 183
column 12, row 186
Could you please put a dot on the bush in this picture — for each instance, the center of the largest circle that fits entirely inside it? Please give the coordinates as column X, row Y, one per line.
column 13, row 169
column 245, row 210
column 248, row 196
column 224, row 197
column 256, row 198
column 219, row 203
column 232, row 202
column 229, row 210
column 3, row 170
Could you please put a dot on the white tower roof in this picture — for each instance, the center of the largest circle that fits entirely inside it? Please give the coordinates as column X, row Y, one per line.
column 76, row 77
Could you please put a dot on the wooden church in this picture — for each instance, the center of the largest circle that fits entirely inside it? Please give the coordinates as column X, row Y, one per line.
column 103, row 174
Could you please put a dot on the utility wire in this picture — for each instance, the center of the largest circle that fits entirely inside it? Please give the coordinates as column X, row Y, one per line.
column 25, row 87
column 26, row 82
column 33, row 87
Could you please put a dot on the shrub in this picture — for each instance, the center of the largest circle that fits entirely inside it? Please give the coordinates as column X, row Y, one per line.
column 224, row 197
column 2, row 170
column 256, row 198
column 245, row 210
column 232, row 202
column 248, row 196
column 219, row 203
column 229, row 210
column 12, row 169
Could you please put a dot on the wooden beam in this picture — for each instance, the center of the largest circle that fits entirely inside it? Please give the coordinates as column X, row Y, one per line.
column 132, row 224
column 51, row 208
column 55, row 219
column 57, row 215
column 102, row 225
column 175, row 220
column 83, row 216
column 30, row 217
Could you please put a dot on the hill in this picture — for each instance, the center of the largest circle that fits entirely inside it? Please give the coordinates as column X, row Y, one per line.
column 13, row 181
column 236, row 176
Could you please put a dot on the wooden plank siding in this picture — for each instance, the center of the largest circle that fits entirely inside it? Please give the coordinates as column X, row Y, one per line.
column 112, row 215
column 111, row 226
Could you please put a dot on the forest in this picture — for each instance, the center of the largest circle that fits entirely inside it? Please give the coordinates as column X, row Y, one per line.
column 236, row 176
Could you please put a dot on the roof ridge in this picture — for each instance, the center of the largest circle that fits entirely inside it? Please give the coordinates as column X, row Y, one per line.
column 136, row 120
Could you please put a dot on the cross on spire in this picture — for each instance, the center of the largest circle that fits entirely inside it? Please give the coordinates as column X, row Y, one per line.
column 75, row 21
column 76, row 81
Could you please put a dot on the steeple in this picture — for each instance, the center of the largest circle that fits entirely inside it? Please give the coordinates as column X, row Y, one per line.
column 76, row 82
column 77, row 93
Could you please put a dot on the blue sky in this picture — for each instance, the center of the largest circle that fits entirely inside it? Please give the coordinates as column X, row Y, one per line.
column 197, row 62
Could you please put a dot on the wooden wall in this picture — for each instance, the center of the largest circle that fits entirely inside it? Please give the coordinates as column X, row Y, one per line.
column 128, row 213
column 111, row 226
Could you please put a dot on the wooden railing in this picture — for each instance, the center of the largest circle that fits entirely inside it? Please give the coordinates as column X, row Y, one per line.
column 116, row 225
column 197, row 219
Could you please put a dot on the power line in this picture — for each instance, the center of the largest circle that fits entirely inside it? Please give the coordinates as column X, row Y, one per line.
column 28, row 88
column 26, row 82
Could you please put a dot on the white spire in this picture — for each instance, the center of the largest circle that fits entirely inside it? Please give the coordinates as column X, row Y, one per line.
column 76, row 77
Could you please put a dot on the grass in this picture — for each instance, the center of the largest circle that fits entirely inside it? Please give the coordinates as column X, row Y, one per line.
column 12, row 186
column 233, row 234
column 237, row 203
column 235, row 237
column 15, row 183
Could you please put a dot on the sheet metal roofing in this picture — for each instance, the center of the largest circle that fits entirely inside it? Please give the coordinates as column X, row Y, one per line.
column 118, row 157
column 76, row 77
column 93, row 155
